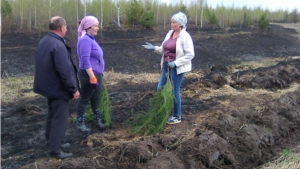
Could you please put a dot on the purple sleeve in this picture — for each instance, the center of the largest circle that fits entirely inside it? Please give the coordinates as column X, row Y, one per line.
column 85, row 47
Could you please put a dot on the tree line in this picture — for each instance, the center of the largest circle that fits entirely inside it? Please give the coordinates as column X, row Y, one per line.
column 33, row 15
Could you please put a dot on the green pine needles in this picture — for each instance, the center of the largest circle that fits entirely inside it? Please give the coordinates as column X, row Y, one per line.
column 160, row 106
column 105, row 108
column 263, row 22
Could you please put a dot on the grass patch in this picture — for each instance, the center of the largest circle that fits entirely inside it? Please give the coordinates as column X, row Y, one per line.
column 288, row 160
column 14, row 87
column 288, row 156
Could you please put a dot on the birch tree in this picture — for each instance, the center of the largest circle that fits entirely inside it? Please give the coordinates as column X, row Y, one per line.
column 35, row 12
column 84, row 7
column 77, row 9
column 195, row 7
column 201, row 3
column 101, row 14
column 21, row 14
column 119, row 12
column 49, row 9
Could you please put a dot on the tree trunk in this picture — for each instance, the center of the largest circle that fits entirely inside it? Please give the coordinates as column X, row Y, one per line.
column 202, row 2
column 50, row 6
column 29, row 22
column 201, row 16
column 77, row 6
column 21, row 14
column 119, row 11
column 84, row 4
column 196, row 19
column 157, row 12
column 164, row 20
column 101, row 22
column 35, row 14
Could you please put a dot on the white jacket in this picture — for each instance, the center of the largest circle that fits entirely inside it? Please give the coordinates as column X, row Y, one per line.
column 184, row 51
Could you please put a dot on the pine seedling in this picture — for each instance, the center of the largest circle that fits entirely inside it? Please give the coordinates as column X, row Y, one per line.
column 105, row 106
column 160, row 106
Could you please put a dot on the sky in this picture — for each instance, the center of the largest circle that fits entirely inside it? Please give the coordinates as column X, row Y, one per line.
column 265, row 4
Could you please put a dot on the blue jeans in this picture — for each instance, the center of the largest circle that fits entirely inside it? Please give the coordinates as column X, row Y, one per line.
column 176, row 81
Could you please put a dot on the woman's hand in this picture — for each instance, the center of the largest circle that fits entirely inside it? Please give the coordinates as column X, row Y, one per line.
column 148, row 46
column 171, row 64
column 94, row 83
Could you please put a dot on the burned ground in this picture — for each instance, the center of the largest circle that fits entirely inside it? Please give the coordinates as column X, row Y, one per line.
column 240, row 103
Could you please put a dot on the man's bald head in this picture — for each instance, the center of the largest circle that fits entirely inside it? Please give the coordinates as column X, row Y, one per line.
column 56, row 22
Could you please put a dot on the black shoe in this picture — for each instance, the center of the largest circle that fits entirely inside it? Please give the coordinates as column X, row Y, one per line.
column 61, row 155
column 65, row 145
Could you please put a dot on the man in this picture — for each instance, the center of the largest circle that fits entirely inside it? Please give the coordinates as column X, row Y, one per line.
column 56, row 79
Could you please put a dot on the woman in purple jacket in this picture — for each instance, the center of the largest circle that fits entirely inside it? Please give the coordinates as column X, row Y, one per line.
column 91, row 68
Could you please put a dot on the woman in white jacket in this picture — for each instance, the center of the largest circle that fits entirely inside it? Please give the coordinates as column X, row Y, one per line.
column 177, row 51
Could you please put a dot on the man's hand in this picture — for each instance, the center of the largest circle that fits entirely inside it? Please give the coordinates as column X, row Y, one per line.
column 76, row 95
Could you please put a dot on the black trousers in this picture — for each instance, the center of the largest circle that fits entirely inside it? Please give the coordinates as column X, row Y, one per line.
column 88, row 94
column 57, row 123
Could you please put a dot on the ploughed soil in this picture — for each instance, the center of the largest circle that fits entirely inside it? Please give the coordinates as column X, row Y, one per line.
column 240, row 104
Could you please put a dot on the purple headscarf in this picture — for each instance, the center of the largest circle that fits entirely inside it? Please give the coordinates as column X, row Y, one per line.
column 86, row 23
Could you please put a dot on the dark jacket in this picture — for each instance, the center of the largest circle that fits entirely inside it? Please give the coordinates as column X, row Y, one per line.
column 55, row 72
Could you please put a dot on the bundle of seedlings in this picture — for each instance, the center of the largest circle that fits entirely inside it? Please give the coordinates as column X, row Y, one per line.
column 160, row 106
column 104, row 108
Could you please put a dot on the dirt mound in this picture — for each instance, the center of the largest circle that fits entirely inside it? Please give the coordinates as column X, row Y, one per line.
column 273, row 78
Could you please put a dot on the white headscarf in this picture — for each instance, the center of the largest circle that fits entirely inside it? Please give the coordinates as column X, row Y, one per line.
column 180, row 18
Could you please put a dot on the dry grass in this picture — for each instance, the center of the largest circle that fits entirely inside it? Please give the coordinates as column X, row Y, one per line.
column 288, row 160
column 113, row 78
column 262, row 62
column 12, row 88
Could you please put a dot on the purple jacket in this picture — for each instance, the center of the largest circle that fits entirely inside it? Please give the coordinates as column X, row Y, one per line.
column 90, row 54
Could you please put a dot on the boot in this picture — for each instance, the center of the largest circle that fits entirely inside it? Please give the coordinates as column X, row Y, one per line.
column 80, row 124
column 82, row 127
column 100, row 124
column 98, row 121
